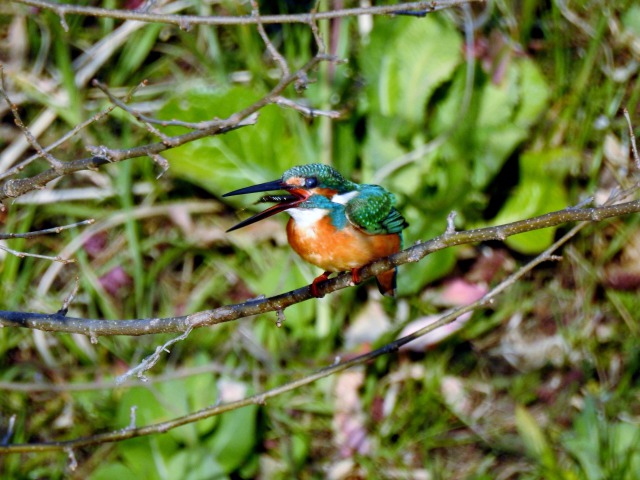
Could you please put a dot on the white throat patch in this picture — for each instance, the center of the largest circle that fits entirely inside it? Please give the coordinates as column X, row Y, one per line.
column 345, row 197
column 305, row 217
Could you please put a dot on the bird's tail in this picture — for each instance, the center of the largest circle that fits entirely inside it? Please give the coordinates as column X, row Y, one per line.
column 387, row 282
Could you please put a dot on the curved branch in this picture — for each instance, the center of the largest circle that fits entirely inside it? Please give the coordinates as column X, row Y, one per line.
column 260, row 399
column 227, row 313
column 186, row 21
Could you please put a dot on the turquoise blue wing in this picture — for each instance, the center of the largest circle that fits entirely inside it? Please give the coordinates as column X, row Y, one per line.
column 372, row 210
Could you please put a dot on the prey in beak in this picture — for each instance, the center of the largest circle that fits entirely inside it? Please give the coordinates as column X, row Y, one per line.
column 294, row 197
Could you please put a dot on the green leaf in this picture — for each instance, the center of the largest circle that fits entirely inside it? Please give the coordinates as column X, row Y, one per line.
column 540, row 191
column 135, row 52
column 112, row 470
column 534, row 94
column 195, row 464
column 498, row 101
column 252, row 154
column 175, row 394
column 535, row 441
column 235, row 437
column 603, row 449
column 631, row 20
column 406, row 60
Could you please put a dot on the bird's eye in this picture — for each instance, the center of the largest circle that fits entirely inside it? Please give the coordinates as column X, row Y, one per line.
column 311, row 182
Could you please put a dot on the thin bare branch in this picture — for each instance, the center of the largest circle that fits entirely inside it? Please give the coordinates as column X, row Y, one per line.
column 21, row 166
column 38, row 233
column 162, row 162
column 53, row 161
column 188, row 20
column 144, row 119
column 313, row 24
column 67, row 301
column 284, row 67
column 85, row 67
column 308, row 111
column 35, row 255
column 91, row 327
column 9, row 433
column 151, row 360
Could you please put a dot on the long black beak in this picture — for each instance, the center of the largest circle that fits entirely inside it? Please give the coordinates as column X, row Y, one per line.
column 261, row 187
column 284, row 201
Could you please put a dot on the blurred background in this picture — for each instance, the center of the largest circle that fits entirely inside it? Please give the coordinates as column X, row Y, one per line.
column 499, row 112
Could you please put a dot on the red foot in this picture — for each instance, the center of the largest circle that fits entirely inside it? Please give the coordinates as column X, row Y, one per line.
column 316, row 281
column 355, row 275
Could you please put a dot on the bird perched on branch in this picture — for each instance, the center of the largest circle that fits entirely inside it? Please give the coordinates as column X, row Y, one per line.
column 335, row 224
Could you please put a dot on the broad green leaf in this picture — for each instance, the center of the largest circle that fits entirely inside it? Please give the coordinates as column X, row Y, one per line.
column 498, row 101
column 534, row 94
column 145, row 456
column 201, row 389
column 631, row 20
column 379, row 148
column 540, row 191
column 175, row 396
column 406, row 60
column 195, row 463
column 252, row 154
column 234, row 439
column 111, row 470
column 529, row 200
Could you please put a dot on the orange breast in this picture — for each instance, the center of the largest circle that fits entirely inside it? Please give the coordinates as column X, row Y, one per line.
column 339, row 250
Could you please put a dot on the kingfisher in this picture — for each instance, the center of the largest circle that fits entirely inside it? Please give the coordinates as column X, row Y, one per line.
column 335, row 224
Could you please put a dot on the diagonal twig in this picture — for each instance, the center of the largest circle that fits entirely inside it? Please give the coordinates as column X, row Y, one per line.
column 277, row 56
column 55, row 163
column 47, row 231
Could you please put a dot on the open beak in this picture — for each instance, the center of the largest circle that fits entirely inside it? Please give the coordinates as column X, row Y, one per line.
column 283, row 202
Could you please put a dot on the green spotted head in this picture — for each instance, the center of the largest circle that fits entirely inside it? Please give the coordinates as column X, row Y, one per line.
column 317, row 177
